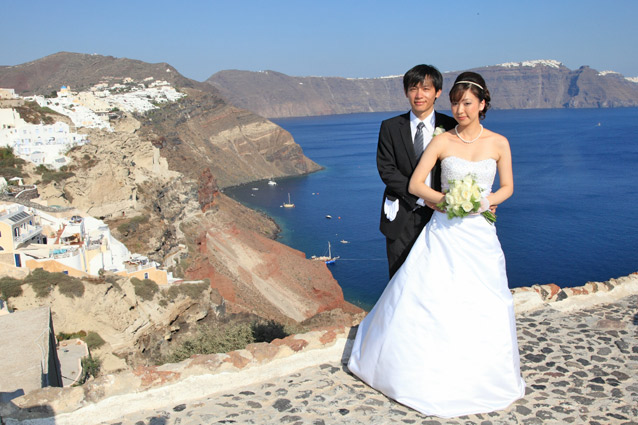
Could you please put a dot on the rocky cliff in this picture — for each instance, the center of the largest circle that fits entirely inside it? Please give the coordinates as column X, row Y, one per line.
column 157, row 178
column 523, row 85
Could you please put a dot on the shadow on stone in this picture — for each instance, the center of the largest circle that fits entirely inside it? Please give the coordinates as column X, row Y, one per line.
column 347, row 349
column 43, row 412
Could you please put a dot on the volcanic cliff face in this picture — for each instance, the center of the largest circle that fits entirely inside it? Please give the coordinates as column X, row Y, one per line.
column 201, row 132
column 523, row 85
column 156, row 180
column 256, row 273
column 273, row 94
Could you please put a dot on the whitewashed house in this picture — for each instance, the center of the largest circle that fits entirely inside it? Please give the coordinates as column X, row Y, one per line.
column 38, row 143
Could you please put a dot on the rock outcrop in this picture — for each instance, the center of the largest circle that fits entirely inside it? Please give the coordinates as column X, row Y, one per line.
column 111, row 308
column 256, row 274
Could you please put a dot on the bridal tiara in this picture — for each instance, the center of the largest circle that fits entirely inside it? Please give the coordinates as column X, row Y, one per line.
column 470, row 82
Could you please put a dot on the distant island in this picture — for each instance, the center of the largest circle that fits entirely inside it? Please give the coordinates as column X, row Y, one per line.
column 515, row 85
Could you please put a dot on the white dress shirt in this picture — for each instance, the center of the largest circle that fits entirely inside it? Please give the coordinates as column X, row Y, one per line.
column 428, row 130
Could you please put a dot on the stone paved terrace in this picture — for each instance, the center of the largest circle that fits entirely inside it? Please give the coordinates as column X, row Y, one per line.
column 579, row 358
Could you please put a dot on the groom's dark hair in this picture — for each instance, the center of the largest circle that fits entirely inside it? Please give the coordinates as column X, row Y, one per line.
column 419, row 73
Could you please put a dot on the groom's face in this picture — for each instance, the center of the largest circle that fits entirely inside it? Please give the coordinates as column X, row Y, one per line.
column 422, row 97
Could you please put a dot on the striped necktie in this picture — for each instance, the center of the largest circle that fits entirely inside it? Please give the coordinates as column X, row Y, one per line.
column 418, row 141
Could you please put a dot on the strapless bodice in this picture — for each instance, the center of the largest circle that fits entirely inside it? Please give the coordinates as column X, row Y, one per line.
column 455, row 168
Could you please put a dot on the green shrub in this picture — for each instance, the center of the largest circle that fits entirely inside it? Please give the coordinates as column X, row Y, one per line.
column 209, row 341
column 191, row 290
column 10, row 165
column 64, row 336
column 42, row 288
column 131, row 225
column 71, row 288
column 145, row 289
column 43, row 282
column 90, row 367
column 56, row 176
column 38, row 275
column 41, row 169
column 94, row 340
column 10, row 287
column 267, row 331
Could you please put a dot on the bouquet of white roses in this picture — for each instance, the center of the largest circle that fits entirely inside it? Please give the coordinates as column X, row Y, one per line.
column 463, row 198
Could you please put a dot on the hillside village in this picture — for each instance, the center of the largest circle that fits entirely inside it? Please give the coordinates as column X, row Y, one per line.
column 42, row 143
column 61, row 240
column 72, row 243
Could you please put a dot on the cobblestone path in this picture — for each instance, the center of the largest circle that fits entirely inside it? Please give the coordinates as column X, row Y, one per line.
column 580, row 367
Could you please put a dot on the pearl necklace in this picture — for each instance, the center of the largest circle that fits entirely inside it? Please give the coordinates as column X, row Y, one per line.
column 468, row 141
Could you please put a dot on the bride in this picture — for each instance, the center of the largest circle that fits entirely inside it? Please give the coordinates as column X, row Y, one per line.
column 442, row 337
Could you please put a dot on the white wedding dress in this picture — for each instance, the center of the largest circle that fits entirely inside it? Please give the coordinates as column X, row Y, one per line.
column 441, row 339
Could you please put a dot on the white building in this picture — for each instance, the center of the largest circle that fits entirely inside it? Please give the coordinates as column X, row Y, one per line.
column 80, row 243
column 7, row 94
column 47, row 144
column 38, row 143
column 77, row 246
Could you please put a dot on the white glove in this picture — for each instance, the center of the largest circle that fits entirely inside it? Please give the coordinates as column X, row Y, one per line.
column 390, row 208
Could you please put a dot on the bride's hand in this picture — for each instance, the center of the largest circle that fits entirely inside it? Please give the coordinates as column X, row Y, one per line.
column 434, row 207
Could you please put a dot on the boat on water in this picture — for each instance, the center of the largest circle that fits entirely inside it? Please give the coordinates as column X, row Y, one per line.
column 328, row 259
column 289, row 204
column 272, row 183
column 344, row 241
column 328, row 216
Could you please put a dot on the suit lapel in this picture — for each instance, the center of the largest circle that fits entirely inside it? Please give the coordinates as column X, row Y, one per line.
column 406, row 138
column 436, row 120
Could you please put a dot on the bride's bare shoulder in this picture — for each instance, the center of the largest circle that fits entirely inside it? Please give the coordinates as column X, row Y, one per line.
column 496, row 137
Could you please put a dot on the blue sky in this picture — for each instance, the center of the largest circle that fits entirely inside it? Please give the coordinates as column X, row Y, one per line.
column 347, row 38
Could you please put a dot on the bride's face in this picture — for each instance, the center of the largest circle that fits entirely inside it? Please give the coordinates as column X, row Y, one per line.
column 466, row 109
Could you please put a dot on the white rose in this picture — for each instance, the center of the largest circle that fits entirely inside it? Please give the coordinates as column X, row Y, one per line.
column 437, row 131
column 466, row 194
column 476, row 193
column 456, row 190
column 468, row 180
column 467, row 206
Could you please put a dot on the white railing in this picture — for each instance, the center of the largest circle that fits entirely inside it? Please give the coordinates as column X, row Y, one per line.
column 30, row 232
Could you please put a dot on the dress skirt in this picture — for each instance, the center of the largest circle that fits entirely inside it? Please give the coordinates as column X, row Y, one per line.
column 441, row 339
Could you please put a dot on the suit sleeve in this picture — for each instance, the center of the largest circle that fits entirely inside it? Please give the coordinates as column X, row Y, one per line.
column 396, row 182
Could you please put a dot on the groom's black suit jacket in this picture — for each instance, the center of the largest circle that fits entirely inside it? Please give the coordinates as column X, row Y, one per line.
column 396, row 162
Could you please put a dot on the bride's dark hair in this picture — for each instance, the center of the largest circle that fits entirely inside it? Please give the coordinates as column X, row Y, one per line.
column 476, row 84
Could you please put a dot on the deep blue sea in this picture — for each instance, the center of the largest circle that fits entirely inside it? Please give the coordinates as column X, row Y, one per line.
column 572, row 218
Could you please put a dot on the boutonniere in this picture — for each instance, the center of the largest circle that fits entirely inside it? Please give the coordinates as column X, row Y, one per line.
column 438, row 130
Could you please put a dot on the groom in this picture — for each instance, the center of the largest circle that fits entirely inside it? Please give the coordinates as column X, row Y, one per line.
column 402, row 140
